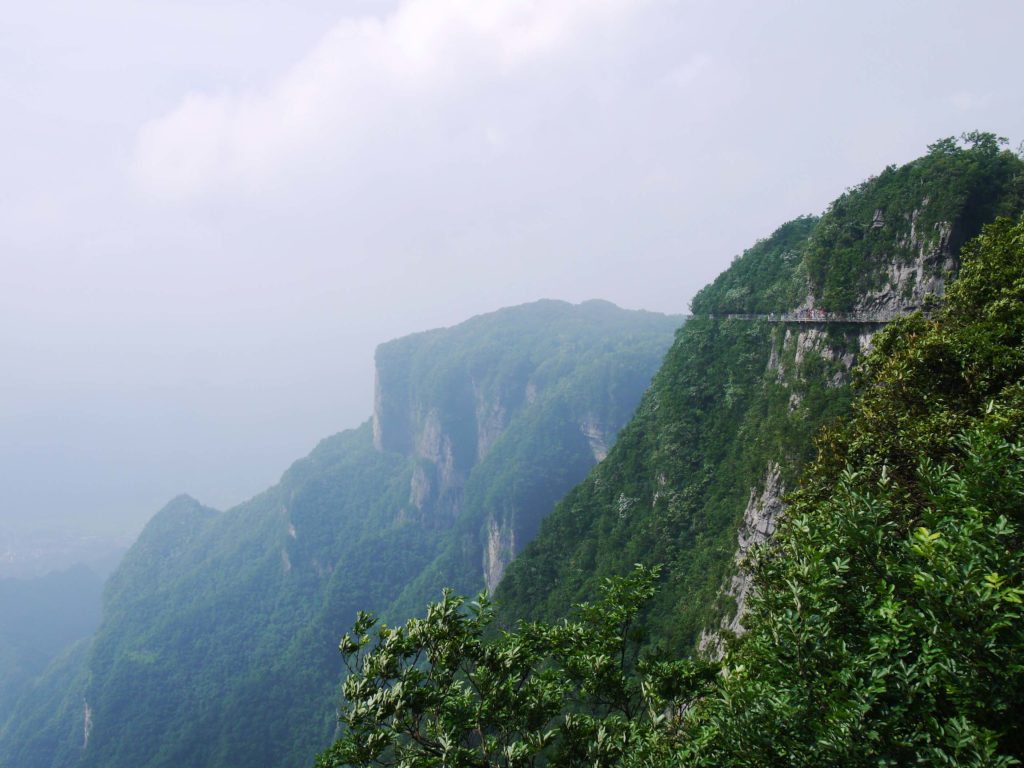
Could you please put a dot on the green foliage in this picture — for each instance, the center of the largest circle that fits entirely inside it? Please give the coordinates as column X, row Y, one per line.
column 592, row 370
column 768, row 277
column 442, row 690
column 888, row 622
column 935, row 202
column 877, row 642
column 947, row 194
column 48, row 729
column 673, row 488
column 886, row 626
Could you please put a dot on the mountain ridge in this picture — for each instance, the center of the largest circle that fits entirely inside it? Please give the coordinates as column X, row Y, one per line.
column 218, row 641
column 730, row 417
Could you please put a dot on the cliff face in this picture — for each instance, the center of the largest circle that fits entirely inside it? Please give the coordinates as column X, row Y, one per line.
column 500, row 419
column 906, row 284
column 446, row 398
column 700, row 473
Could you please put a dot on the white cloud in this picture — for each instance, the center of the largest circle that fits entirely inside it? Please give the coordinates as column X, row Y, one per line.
column 690, row 70
column 365, row 74
column 965, row 101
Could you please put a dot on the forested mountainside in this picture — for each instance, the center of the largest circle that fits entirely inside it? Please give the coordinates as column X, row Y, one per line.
column 764, row 362
column 218, row 644
column 886, row 626
column 885, row 621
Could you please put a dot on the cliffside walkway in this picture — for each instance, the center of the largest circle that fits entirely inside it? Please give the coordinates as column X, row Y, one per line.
column 812, row 316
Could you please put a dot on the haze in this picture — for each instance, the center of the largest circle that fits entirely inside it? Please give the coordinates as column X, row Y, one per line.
column 211, row 212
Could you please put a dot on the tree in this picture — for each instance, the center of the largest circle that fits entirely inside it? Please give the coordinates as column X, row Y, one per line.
column 448, row 690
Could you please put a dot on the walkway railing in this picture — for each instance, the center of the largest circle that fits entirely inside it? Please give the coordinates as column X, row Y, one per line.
column 811, row 316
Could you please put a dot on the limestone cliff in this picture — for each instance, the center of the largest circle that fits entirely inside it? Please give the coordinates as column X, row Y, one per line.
column 445, row 401
column 762, row 365
column 499, row 428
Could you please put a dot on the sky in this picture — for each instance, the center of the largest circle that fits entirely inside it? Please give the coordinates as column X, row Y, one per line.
column 212, row 212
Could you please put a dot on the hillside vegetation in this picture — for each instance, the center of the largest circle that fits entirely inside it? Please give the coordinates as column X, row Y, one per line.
column 885, row 625
column 728, row 423
column 219, row 633
column 882, row 620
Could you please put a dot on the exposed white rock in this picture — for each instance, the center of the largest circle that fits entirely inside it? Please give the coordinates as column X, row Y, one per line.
column 814, row 339
column 864, row 340
column 774, row 361
column 908, row 283
column 500, row 549
column 435, row 446
column 624, row 504
column 764, row 509
column 591, row 429
column 491, row 420
column 86, row 725
column 795, row 399
column 419, row 487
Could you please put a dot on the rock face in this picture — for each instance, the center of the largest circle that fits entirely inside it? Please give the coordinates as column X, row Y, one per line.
column 760, row 519
column 926, row 259
column 907, row 284
column 477, row 431
column 445, row 399
column 594, row 431
column 500, row 549
column 86, row 725
column 435, row 476
column 800, row 343
column 761, row 366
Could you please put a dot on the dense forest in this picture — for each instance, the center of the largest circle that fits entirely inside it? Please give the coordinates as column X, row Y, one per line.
column 885, row 625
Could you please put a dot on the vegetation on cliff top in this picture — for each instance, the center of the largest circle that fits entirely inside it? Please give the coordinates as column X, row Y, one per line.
column 887, row 220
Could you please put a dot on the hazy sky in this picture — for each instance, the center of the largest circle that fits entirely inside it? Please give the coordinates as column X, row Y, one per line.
column 211, row 212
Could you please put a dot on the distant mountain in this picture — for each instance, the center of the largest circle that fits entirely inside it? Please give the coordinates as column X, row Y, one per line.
column 31, row 554
column 218, row 645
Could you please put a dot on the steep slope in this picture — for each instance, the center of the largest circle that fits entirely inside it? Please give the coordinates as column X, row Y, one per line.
column 887, row 624
column 763, row 363
column 219, row 635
